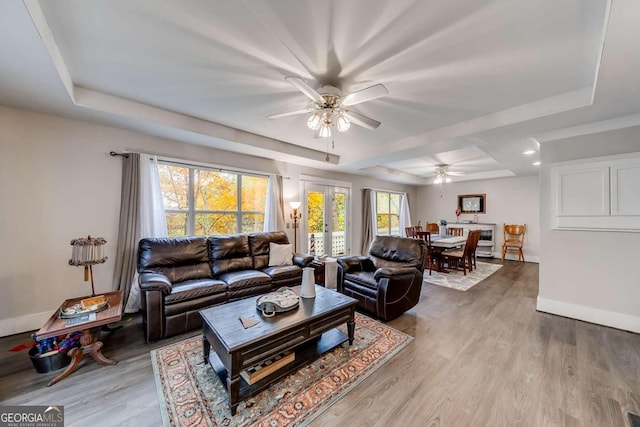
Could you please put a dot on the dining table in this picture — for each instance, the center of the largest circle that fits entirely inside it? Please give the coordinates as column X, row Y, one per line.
column 440, row 243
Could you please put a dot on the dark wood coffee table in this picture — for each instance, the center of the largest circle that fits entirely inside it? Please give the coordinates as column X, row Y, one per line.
column 309, row 331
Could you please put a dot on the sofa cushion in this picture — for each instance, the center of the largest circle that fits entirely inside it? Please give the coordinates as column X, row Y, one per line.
column 245, row 279
column 229, row 253
column 259, row 246
column 180, row 259
column 280, row 254
column 193, row 289
column 280, row 272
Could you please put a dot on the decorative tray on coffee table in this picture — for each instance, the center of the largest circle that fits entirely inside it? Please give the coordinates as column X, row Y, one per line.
column 85, row 306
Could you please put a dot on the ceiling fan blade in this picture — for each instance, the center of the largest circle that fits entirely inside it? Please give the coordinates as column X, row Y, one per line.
column 303, row 87
column 361, row 120
column 454, row 173
column 363, row 95
column 290, row 113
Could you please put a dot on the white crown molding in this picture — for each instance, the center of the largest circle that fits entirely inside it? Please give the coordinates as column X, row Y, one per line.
column 553, row 105
column 104, row 102
column 590, row 128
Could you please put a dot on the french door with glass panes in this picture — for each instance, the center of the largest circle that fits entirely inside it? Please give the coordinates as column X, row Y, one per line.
column 326, row 220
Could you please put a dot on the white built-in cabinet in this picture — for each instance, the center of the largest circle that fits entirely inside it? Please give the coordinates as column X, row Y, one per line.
column 596, row 194
column 487, row 236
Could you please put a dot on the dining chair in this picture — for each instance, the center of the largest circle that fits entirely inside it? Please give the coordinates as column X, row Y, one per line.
column 410, row 232
column 431, row 254
column 514, row 239
column 417, row 229
column 458, row 258
column 433, row 228
column 472, row 251
column 455, row 231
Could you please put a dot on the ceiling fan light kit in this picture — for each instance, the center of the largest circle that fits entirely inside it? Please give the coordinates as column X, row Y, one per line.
column 442, row 174
column 330, row 108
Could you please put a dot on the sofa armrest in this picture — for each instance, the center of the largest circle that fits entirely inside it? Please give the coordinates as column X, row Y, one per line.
column 351, row 264
column 393, row 272
column 155, row 282
column 302, row 260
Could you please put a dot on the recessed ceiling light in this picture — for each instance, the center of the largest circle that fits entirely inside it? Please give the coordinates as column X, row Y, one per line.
column 529, row 152
column 536, row 163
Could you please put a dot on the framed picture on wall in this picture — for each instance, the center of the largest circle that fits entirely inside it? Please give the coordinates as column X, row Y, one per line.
column 472, row 203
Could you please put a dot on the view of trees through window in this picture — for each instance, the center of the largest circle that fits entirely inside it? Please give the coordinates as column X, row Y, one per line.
column 388, row 213
column 207, row 202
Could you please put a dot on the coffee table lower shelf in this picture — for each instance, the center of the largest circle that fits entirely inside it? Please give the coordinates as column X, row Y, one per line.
column 304, row 354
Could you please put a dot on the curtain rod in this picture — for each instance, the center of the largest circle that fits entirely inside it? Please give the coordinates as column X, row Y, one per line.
column 113, row 154
column 385, row 191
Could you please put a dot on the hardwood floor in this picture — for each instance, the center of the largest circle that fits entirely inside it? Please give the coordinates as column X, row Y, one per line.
column 483, row 357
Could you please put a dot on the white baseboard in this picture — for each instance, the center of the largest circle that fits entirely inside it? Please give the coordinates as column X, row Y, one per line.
column 589, row 314
column 527, row 257
column 29, row 322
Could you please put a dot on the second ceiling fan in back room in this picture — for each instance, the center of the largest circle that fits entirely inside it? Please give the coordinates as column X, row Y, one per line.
column 331, row 109
column 443, row 173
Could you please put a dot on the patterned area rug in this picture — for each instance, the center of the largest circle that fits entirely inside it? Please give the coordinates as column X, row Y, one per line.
column 457, row 280
column 190, row 393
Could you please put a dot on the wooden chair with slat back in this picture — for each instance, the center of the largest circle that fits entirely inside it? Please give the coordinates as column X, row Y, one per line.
column 459, row 258
column 455, row 231
column 410, row 232
column 472, row 251
column 433, row 228
column 431, row 255
column 514, row 239
column 417, row 229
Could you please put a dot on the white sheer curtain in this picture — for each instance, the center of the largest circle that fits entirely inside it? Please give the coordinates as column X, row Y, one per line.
column 273, row 212
column 151, row 221
column 374, row 216
column 405, row 216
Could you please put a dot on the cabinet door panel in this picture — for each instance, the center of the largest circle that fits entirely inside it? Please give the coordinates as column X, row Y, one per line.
column 625, row 191
column 583, row 191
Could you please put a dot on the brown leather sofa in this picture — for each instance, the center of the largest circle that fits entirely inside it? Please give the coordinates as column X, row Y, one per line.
column 181, row 276
column 386, row 282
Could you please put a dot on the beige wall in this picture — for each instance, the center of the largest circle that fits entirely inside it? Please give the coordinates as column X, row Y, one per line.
column 58, row 182
column 589, row 275
column 508, row 200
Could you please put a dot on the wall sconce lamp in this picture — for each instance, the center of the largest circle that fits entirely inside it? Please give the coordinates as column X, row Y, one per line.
column 295, row 216
column 87, row 252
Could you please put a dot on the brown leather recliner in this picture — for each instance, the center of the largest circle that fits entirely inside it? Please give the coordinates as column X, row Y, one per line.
column 181, row 276
column 387, row 282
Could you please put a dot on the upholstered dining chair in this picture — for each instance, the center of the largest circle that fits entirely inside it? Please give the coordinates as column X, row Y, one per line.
column 455, row 231
column 461, row 258
column 514, row 239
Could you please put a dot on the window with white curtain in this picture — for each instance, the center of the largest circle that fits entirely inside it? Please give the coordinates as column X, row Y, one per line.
column 387, row 213
column 206, row 201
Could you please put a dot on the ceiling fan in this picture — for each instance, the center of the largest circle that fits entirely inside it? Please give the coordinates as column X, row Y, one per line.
column 443, row 173
column 331, row 108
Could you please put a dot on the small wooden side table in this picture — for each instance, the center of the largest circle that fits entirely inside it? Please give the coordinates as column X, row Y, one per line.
column 89, row 343
column 318, row 270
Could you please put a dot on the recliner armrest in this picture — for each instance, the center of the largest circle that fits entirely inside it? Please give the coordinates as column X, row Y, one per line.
column 302, row 260
column 393, row 272
column 155, row 282
column 351, row 264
